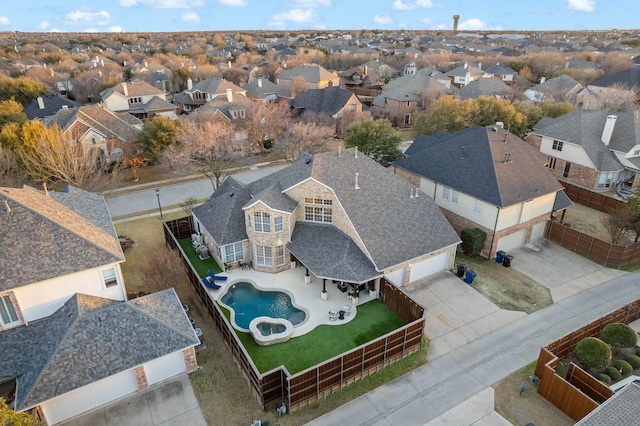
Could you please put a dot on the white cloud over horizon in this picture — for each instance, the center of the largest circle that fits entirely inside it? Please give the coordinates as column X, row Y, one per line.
column 400, row 5
column 382, row 20
column 83, row 17
column 472, row 24
column 163, row 4
column 43, row 25
column 299, row 16
column 582, row 5
column 190, row 17
column 4, row 20
column 234, row 3
column 311, row 4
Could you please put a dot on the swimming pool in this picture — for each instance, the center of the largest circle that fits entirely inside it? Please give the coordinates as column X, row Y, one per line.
column 247, row 302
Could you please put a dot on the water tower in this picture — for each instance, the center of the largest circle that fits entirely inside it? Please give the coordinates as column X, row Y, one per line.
column 456, row 18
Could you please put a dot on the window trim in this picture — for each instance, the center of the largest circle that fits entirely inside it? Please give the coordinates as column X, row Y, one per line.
column 567, row 168
column 477, row 208
column 6, row 302
column 445, row 193
column 557, row 145
column 262, row 222
column 236, row 250
column 454, row 196
column 278, row 224
column 262, row 256
column 114, row 280
column 279, row 257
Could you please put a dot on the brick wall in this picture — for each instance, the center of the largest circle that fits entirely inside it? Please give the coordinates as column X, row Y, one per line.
column 141, row 377
column 410, row 177
column 190, row 361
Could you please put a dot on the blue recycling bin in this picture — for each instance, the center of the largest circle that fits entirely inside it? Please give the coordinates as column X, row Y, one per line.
column 500, row 256
column 470, row 275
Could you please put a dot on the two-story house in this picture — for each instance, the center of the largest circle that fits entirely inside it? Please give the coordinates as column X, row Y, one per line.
column 306, row 77
column 139, row 99
column 596, row 150
column 70, row 340
column 486, row 178
column 339, row 214
column 204, row 91
column 559, row 89
column 262, row 90
column 465, row 74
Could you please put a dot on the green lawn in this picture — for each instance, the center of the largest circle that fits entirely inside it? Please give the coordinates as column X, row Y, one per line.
column 372, row 320
column 201, row 266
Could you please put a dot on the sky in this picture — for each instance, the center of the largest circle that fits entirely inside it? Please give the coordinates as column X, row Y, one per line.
column 292, row 15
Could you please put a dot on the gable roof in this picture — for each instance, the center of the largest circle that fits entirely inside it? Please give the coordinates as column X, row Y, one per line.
column 629, row 77
column 487, row 86
column 416, row 227
column 104, row 121
column 89, row 339
column 472, row 161
column 312, row 73
column 50, row 236
column 621, row 409
column 329, row 100
column 584, row 128
column 51, row 102
column 560, row 84
column 260, row 88
column 134, row 88
column 215, row 86
column 499, row 69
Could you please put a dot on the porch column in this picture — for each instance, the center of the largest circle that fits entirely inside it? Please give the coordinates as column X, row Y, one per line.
column 324, row 284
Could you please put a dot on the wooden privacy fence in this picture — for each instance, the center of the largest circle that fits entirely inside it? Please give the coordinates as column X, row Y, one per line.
column 591, row 199
column 580, row 393
column 607, row 254
column 274, row 387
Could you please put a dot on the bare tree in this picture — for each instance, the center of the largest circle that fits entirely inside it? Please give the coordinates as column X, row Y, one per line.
column 263, row 124
column 615, row 62
column 163, row 270
column 546, row 63
column 188, row 204
column 618, row 222
column 11, row 173
column 208, row 144
column 302, row 137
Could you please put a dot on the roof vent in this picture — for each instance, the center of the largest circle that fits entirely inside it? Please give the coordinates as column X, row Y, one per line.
column 411, row 193
column 232, row 193
column 7, row 208
column 507, row 158
column 357, row 186
column 356, row 156
column 308, row 160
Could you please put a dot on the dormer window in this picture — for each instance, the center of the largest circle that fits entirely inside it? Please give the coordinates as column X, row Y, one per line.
column 137, row 100
column 198, row 95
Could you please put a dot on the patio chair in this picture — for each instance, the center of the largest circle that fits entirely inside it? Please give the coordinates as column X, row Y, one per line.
column 215, row 277
column 333, row 315
column 210, row 284
column 347, row 310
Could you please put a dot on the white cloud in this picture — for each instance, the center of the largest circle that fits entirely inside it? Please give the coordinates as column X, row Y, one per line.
column 298, row 16
column 311, row 4
column 190, row 17
column 400, row 5
column 82, row 17
column 43, row 25
column 116, row 29
column 54, row 30
column 472, row 24
column 163, row 4
column 582, row 5
column 4, row 20
column 234, row 3
column 383, row 20
column 427, row 20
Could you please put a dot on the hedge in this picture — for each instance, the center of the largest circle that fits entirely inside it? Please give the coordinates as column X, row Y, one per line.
column 613, row 373
column 634, row 360
column 604, row 379
column 624, row 365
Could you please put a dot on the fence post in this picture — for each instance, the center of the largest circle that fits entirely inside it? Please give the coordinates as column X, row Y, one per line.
column 606, row 262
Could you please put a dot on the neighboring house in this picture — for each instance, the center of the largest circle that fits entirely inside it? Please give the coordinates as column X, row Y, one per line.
column 465, row 74
column 96, row 127
column 506, row 74
column 306, row 77
column 334, row 102
column 596, row 150
column 361, row 77
column 559, row 89
column 204, row 91
column 331, row 213
column 139, row 99
column 488, row 86
column 45, row 106
column 617, row 91
column 620, row 409
column 263, row 90
column 486, row 178
column 402, row 97
column 70, row 341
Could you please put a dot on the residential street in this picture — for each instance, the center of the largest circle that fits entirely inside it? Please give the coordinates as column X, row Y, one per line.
column 449, row 380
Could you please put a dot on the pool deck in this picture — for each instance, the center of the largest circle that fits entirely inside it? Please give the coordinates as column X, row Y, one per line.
column 305, row 296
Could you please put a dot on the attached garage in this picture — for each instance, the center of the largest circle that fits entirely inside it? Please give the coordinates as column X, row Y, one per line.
column 396, row 277
column 429, row 266
column 88, row 397
column 511, row 241
column 163, row 368
column 538, row 230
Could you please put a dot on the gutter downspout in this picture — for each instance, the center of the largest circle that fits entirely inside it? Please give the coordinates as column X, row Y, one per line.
column 493, row 237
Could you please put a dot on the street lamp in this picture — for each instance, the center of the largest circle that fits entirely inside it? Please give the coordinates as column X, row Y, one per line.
column 159, row 205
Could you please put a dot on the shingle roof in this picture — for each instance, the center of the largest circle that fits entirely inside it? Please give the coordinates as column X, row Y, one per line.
column 216, row 86
column 50, row 236
column 557, row 85
column 52, row 104
column 260, row 88
column 135, row 88
column 585, row 128
column 108, row 123
column 488, row 86
column 472, row 161
column 499, row 69
column 89, row 339
column 621, row 409
column 275, row 199
column 392, row 226
column 311, row 73
column 329, row 100
column 629, row 77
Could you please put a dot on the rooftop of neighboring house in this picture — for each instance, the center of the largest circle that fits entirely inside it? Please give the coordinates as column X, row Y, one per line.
column 123, row 126
column 628, row 78
column 329, row 100
column 131, row 89
column 486, row 86
column 487, row 163
column 260, row 88
column 500, row 69
column 311, row 73
column 47, row 235
column 48, row 105
column 560, row 84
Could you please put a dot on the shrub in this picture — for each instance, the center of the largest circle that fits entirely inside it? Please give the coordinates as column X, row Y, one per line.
column 619, row 335
column 623, row 365
column 592, row 352
column 472, row 240
column 638, row 351
column 634, row 360
column 604, row 379
column 613, row 373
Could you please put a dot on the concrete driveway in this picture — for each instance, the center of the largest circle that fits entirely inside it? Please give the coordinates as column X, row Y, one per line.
column 456, row 313
column 562, row 271
column 169, row 403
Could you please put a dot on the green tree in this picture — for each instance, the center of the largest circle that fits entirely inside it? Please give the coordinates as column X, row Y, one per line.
column 619, row 335
column 157, row 134
column 592, row 352
column 21, row 89
column 486, row 111
column 11, row 112
column 180, row 76
column 555, row 109
column 375, row 138
column 446, row 114
column 10, row 417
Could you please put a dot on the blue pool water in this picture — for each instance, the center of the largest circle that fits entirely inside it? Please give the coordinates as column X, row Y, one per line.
column 249, row 303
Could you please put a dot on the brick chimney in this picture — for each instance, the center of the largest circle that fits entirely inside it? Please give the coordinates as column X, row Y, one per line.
column 607, row 132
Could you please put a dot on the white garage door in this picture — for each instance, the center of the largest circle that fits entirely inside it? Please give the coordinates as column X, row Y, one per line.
column 396, row 277
column 511, row 241
column 429, row 266
column 90, row 396
column 538, row 231
column 165, row 367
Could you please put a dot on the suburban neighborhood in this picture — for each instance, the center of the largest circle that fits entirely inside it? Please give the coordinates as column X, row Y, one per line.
column 320, row 227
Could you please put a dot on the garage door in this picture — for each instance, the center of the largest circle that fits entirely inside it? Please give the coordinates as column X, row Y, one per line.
column 429, row 266
column 511, row 241
column 91, row 396
column 165, row 367
column 538, row 231
column 396, row 277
